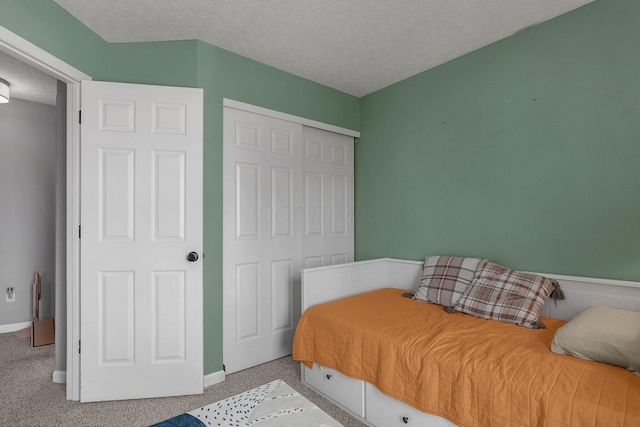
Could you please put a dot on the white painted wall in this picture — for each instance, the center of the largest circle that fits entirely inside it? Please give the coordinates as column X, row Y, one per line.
column 27, row 206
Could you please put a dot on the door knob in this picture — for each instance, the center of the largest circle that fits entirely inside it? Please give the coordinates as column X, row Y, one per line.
column 192, row 257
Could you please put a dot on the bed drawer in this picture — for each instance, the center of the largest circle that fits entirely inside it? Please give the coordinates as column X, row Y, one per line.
column 349, row 392
column 382, row 410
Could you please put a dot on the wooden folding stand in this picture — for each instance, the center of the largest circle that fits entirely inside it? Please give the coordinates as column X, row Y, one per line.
column 42, row 331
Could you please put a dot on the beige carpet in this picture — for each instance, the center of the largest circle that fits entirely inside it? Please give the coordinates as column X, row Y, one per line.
column 29, row 398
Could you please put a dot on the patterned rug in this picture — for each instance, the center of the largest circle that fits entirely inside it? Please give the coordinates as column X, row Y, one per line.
column 271, row 405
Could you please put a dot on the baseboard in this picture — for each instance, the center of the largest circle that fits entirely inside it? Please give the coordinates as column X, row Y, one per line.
column 213, row 378
column 60, row 377
column 12, row 327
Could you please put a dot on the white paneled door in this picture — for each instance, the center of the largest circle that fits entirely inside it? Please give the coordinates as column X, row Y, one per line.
column 141, row 241
column 278, row 218
column 328, row 197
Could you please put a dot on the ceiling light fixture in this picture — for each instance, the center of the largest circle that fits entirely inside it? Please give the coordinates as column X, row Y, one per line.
column 4, row 91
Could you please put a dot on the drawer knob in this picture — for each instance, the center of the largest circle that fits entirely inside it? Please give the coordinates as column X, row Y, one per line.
column 405, row 420
column 328, row 376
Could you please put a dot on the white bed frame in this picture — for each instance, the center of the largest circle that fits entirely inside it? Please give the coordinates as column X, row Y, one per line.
column 363, row 400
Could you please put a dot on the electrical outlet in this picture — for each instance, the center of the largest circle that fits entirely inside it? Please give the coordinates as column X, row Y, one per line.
column 11, row 294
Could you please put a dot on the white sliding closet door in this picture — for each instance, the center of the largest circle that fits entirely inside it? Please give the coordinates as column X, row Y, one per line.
column 328, row 192
column 288, row 204
column 262, row 237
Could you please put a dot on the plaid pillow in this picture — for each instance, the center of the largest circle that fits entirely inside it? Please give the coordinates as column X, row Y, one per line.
column 445, row 278
column 500, row 293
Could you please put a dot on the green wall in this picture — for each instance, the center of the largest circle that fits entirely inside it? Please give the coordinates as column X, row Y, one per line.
column 189, row 63
column 53, row 29
column 525, row 152
column 171, row 63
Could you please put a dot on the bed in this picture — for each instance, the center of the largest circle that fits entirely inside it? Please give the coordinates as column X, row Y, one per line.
column 391, row 360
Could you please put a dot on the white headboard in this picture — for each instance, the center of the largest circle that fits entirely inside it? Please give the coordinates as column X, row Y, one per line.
column 583, row 292
column 337, row 281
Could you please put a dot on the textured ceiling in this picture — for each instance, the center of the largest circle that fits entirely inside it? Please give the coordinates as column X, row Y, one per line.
column 356, row 46
column 27, row 82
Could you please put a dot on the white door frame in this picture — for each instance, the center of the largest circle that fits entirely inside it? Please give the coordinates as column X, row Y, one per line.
column 31, row 54
column 288, row 117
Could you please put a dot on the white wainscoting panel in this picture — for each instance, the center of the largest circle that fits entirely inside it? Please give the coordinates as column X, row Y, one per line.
column 583, row 292
column 337, row 281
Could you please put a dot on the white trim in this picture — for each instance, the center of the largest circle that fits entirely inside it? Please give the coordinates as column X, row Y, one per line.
column 26, row 51
column 288, row 117
column 31, row 54
column 213, row 378
column 73, row 242
column 351, row 264
column 595, row 280
column 60, row 377
column 13, row 327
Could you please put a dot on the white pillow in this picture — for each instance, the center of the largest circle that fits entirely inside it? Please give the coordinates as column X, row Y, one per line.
column 602, row 334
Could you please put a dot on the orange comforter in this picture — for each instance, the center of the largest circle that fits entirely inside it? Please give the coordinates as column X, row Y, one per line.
column 471, row 371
